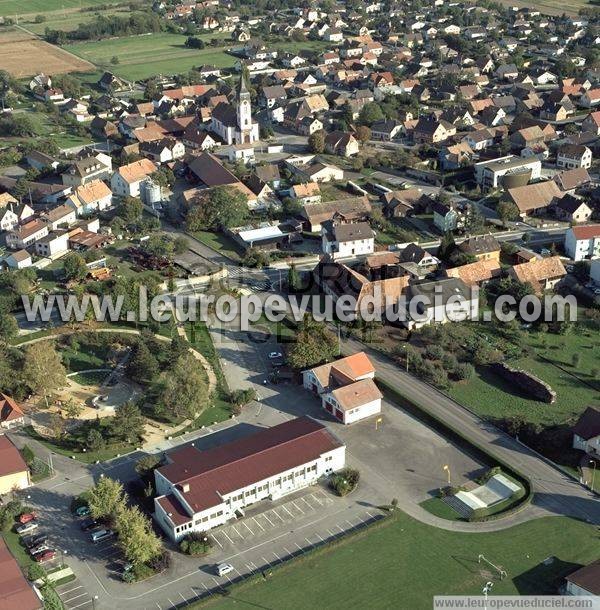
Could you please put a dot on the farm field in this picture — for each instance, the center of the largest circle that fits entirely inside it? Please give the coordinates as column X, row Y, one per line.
column 550, row 7
column 69, row 20
column 10, row 8
column 144, row 56
column 23, row 55
column 419, row 552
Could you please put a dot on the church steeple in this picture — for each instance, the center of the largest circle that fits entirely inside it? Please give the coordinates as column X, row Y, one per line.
column 244, row 109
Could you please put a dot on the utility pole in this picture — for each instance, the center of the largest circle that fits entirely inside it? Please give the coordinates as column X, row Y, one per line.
column 593, row 462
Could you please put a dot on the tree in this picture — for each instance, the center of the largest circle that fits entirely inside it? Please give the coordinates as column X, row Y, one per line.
column 224, row 207
column 143, row 366
column 370, row 113
column 94, row 440
column 314, row 343
column 144, row 466
column 136, row 538
column 362, row 133
column 72, row 409
column 316, row 141
column 106, row 498
column 74, row 267
column 128, row 423
column 43, row 370
column 114, row 60
column 194, row 43
column 182, row 390
column 294, row 283
column 131, row 210
column 474, row 219
column 9, row 327
column 507, row 210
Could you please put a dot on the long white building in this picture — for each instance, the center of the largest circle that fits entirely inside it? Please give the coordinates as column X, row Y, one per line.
column 583, row 242
column 199, row 490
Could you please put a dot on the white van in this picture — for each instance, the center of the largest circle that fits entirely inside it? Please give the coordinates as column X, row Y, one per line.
column 100, row 535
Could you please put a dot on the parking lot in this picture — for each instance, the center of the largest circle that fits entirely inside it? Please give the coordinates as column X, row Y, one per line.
column 74, row 595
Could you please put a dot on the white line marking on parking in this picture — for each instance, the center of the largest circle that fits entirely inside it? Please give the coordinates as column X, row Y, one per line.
column 309, row 542
column 317, row 499
column 235, row 530
column 196, row 595
column 257, row 523
column 301, row 549
column 185, row 600
column 226, row 536
column 269, row 520
column 341, row 530
column 307, row 503
column 350, row 524
column 276, row 555
column 279, row 516
column 287, row 551
column 297, row 507
column 89, row 601
column 70, row 590
column 217, row 541
column 72, row 599
column 244, row 524
column 287, row 511
column 319, row 537
column 334, row 535
column 159, row 608
column 370, row 515
column 216, row 582
column 266, row 561
column 172, row 604
column 205, row 586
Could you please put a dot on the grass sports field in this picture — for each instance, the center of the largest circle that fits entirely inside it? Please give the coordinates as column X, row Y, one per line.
column 409, row 561
column 10, row 8
column 144, row 56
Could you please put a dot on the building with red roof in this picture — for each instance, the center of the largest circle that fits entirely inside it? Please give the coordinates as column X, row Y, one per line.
column 14, row 473
column 582, row 242
column 10, row 412
column 346, row 387
column 199, row 490
column 15, row 591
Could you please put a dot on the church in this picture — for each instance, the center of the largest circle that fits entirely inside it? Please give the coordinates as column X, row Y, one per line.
column 233, row 124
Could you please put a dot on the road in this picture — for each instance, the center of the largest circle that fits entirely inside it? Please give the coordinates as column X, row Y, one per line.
column 555, row 492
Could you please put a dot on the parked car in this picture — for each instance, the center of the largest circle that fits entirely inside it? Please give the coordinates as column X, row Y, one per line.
column 26, row 517
column 35, row 540
column 275, row 355
column 27, row 527
column 88, row 524
column 45, row 555
column 40, row 548
column 102, row 534
column 83, row 511
column 224, row 568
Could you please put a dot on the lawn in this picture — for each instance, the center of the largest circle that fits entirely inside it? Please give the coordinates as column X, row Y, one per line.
column 59, row 20
column 11, row 8
column 144, row 56
column 45, row 128
column 491, row 396
column 221, row 243
column 410, row 561
column 437, row 507
column 13, row 542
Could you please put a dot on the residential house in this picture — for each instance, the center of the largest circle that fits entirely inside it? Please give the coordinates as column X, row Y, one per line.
column 482, row 247
column 89, row 198
column 341, row 143
column 346, row 388
column 586, row 434
column 477, row 273
column 8, row 219
column 590, row 98
column 532, row 199
column 445, row 217
column 199, row 490
column 350, row 209
column 415, row 254
column 24, row 236
column 308, row 192
column 402, row 203
column 570, row 180
column 542, row 273
column 340, row 240
column 126, row 180
column 572, row 209
column 15, row 590
column 11, row 414
column 585, row 581
column 60, row 216
column 14, row 473
column 571, row 156
column 53, row 245
column 489, row 174
column 21, row 259
column 591, row 123
column 385, row 130
column 162, row 151
column 87, row 169
column 583, row 242
column 430, row 130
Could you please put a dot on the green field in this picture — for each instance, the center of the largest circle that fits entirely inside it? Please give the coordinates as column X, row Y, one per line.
column 404, row 564
column 576, row 387
column 141, row 57
column 11, row 8
column 68, row 21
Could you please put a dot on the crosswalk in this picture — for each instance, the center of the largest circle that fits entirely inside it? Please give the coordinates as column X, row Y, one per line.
column 240, row 276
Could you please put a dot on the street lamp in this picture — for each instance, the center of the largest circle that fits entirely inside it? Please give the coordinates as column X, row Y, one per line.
column 593, row 462
column 486, row 590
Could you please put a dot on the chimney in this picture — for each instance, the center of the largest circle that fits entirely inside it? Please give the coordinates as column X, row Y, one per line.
column 185, row 488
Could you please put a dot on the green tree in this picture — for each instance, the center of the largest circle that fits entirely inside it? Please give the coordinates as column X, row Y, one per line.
column 74, row 267
column 106, row 498
column 314, row 343
column 114, row 60
column 144, row 466
column 224, row 207
column 73, row 409
column 136, row 538
column 370, row 113
column 94, row 440
column 182, row 390
column 9, row 327
column 143, row 366
column 131, row 210
column 128, row 423
column 316, row 141
column 42, row 370
column 507, row 210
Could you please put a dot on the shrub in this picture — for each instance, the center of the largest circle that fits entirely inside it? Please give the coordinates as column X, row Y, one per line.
column 161, row 562
column 484, row 478
column 196, row 543
column 434, row 352
column 35, row 571
column 463, row 371
column 344, row 481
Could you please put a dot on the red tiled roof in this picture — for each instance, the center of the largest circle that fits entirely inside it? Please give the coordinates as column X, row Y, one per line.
column 586, row 231
column 15, row 591
column 11, row 460
column 9, row 409
column 240, row 463
column 588, row 425
column 174, row 509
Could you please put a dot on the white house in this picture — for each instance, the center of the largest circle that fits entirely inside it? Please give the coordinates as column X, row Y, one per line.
column 92, row 197
column 127, row 179
column 583, row 242
column 586, row 432
column 61, row 216
column 346, row 388
column 347, row 239
column 82, row 171
column 21, row 259
column 489, row 173
column 8, row 219
column 26, row 235
column 571, row 156
column 199, row 490
column 53, row 245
